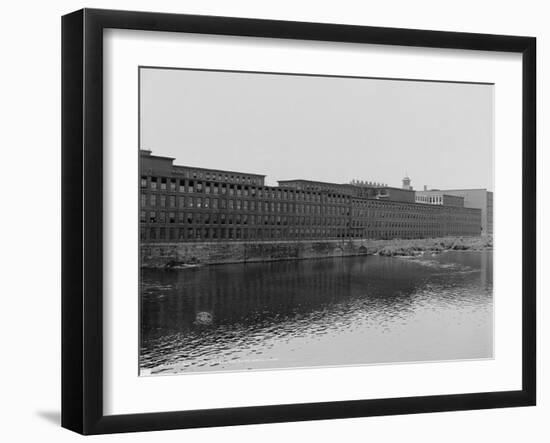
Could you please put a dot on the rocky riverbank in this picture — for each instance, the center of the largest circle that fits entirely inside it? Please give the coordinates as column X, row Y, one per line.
column 434, row 246
column 192, row 254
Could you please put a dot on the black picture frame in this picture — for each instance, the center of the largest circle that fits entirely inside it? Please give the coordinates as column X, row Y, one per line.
column 82, row 215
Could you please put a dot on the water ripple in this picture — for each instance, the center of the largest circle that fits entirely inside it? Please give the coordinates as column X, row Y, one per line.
column 354, row 310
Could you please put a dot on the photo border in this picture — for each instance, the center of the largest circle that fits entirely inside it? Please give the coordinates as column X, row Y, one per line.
column 82, row 220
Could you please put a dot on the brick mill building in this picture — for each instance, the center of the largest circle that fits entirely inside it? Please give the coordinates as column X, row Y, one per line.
column 183, row 204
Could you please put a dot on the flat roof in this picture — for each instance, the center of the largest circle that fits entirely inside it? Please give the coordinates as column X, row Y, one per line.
column 437, row 191
column 468, row 189
column 147, row 153
column 303, row 180
column 218, row 170
column 394, row 187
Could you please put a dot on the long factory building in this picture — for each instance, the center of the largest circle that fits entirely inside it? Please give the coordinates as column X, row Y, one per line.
column 189, row 204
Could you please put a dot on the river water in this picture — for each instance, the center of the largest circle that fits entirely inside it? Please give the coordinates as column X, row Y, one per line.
column 326, row 312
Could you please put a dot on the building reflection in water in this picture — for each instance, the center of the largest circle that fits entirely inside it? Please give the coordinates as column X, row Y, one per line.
column 333, row 311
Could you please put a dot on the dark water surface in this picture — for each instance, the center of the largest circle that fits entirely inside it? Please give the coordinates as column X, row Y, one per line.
column 328, row 312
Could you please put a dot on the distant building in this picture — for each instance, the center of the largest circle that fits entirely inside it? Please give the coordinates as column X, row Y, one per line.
column 437, row 197
column 184, row 203
column 480, row 199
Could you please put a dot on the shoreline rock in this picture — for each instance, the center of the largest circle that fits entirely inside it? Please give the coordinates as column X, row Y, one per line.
column 413, row 248
column 198, row 254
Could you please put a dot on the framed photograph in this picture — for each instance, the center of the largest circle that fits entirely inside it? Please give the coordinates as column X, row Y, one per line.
column 269, row 221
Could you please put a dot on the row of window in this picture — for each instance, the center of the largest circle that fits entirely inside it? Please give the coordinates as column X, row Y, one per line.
column 430, row 199
column 230, row 218
column 172, row 201
column 367, row 224
column 181, row 202
column 191, row 187
column 421, row 218
column 244, row 233
column 206, row 218
column 361, row 205
column 220, row 176
column 229, row 233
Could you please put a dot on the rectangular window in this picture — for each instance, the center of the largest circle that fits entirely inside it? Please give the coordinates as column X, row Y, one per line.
column 172, row 201
column 153, row 183
column 163, row 184
column 172, row 185
column 182, row 185
column 214, row 203
column 142, row 216
column 143, row 181
column 163, row 201
column 152, row 217
column 143, row 200
column 172, row 217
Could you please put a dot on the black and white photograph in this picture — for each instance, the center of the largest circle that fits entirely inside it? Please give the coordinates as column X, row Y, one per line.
column 299, row 220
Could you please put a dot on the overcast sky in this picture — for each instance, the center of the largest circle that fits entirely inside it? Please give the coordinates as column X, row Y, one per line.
column 320, row 128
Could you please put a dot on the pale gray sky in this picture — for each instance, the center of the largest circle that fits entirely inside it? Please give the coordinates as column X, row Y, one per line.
column 321, row 128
